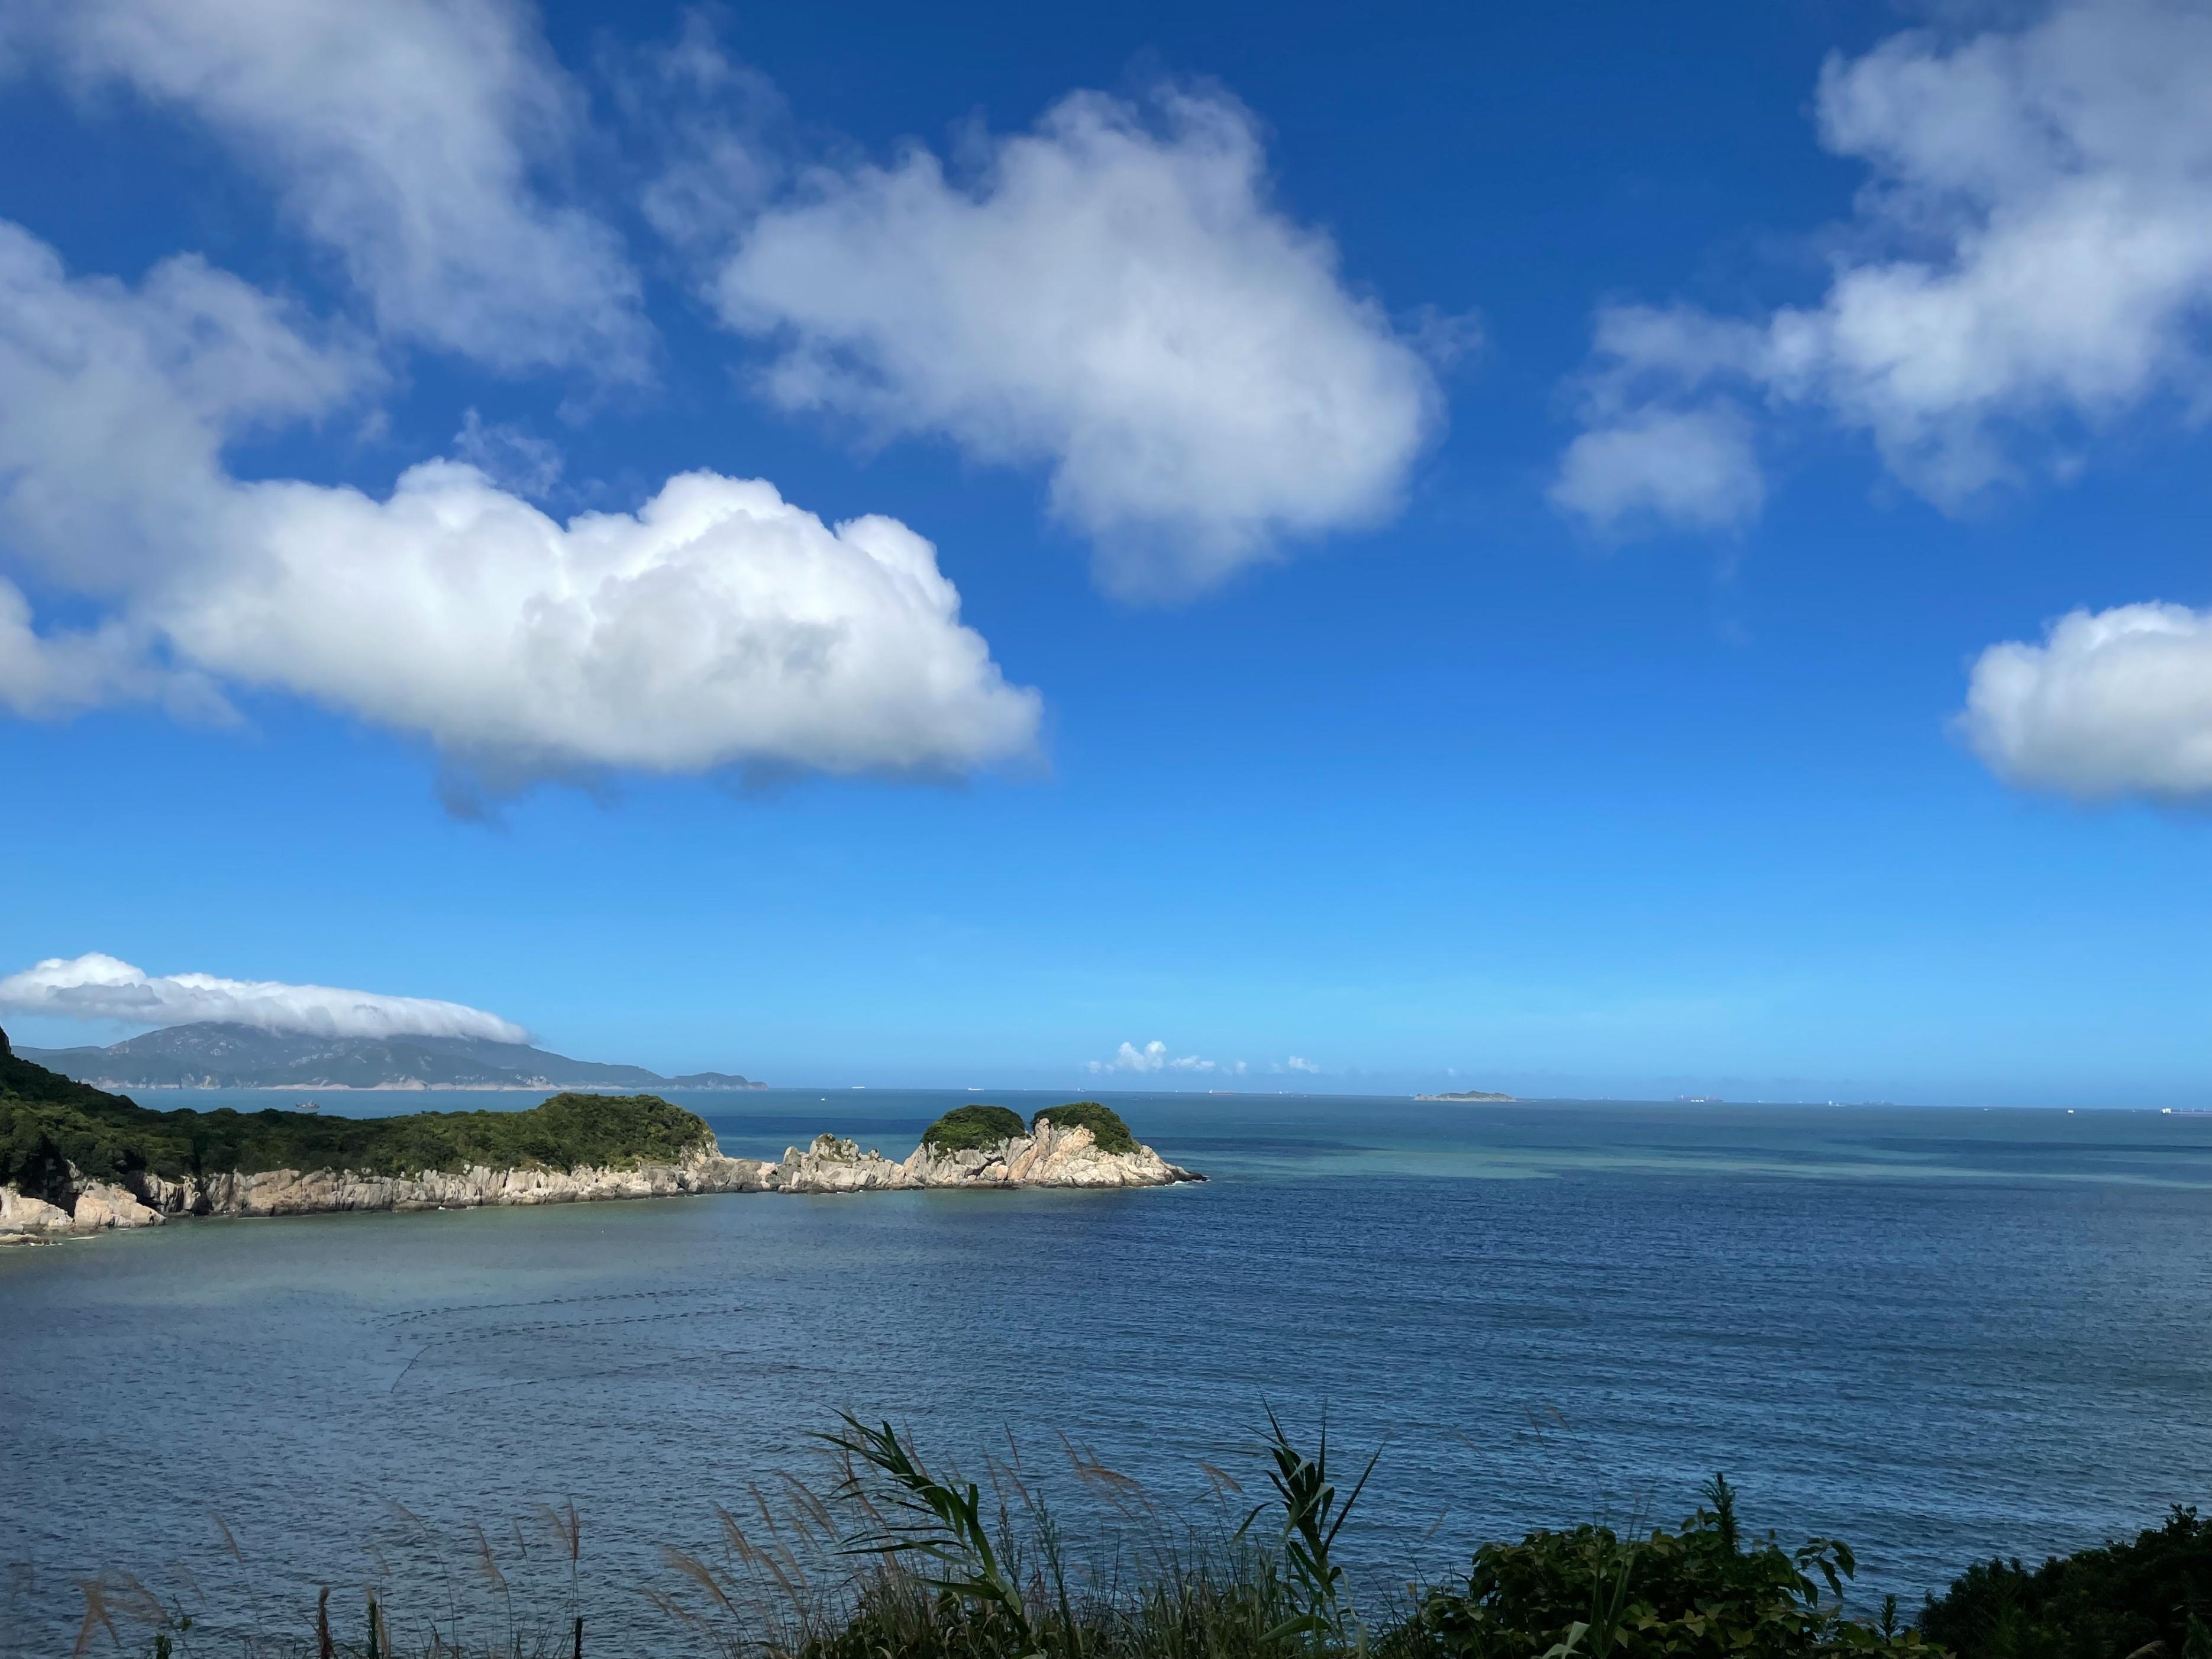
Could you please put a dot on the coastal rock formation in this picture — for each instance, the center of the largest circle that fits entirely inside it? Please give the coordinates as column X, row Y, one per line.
column 1050, row 1156
column 296, row 1192
column 96, row 1206
column 75, row 1159
column 100, row 1206
column 22, row 1217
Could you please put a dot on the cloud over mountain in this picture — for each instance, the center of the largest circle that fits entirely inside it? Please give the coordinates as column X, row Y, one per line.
column 103, row 988
column 1112, row 294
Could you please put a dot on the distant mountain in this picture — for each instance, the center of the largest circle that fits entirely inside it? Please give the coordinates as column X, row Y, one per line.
column 209, row 1055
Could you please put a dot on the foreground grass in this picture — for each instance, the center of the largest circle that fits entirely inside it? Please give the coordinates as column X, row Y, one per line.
column 889, row 1558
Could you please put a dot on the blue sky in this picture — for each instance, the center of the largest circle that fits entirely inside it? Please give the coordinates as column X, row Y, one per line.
column 1498, row 548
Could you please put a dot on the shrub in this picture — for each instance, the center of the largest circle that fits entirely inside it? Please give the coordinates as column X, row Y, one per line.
column 1699, row 1590
column 973, row 1129
column 2119, row 1600
column 1104, row 1124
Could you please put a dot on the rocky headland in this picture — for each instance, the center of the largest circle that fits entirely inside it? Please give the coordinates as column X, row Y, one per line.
column 73, row 1160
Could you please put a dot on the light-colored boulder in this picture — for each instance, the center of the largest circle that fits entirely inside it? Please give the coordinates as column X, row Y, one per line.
column 100, row 1206
column 832, row 1164
column 25, row 1217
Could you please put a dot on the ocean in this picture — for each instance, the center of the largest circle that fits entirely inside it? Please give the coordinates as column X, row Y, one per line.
column 1938, row 1334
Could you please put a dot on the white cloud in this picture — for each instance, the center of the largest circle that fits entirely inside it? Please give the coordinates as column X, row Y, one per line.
column 515, row 460
column 718, row 625
column 716, row 130
column 403, row 137
column 56, row 674
column 1295, row 1063
column 1688, row 466
column 2030, row 260
column 1154, row 1057
column 102, row 988
column 1112, row 294
column 2112, row 703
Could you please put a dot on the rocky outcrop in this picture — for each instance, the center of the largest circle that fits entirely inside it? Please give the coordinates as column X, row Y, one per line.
column 296, row 1192
column 95, row 1206
column 1051, row 1157
column 100, row 1206
column 24, row 1217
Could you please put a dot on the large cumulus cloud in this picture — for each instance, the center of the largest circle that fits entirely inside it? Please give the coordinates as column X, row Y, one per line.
column 718, row 625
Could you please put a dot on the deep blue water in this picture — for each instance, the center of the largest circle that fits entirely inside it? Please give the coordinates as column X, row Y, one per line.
column 1936, row 1334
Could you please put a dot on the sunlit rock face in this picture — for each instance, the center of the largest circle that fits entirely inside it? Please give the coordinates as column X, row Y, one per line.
column 1047, row 1156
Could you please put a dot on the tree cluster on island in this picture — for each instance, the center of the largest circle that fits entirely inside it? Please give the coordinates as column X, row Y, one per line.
column 978, row 1127
column 49, row 1124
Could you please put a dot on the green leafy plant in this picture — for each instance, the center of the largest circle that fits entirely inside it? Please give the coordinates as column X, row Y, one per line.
column 1702, row 1590
column 2153, row 1592
column 973, row 1129
column 1312, row 1518
column 937, row 1521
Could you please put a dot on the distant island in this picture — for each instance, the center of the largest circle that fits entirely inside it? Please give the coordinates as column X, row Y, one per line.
column 1469, row 1094
column 77, row 1160
column 210, row 1055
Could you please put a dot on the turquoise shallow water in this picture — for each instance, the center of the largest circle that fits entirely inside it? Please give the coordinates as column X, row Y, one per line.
column 1936, row 1334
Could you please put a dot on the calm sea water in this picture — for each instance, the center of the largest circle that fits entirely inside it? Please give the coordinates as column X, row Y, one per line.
column 1936, row 1334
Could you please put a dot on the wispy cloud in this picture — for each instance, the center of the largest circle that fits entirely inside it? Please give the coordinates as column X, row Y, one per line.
column 2027, row 261
column 103, row 988
column 411, row 138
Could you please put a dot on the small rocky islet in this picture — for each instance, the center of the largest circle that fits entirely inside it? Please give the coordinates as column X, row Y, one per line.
column 75, row 1159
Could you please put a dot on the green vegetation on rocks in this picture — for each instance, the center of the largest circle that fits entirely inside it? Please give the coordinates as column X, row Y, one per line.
column 973, row 1129
column 48, row 1122
column 2152, row 1596
column 1104, row 1124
